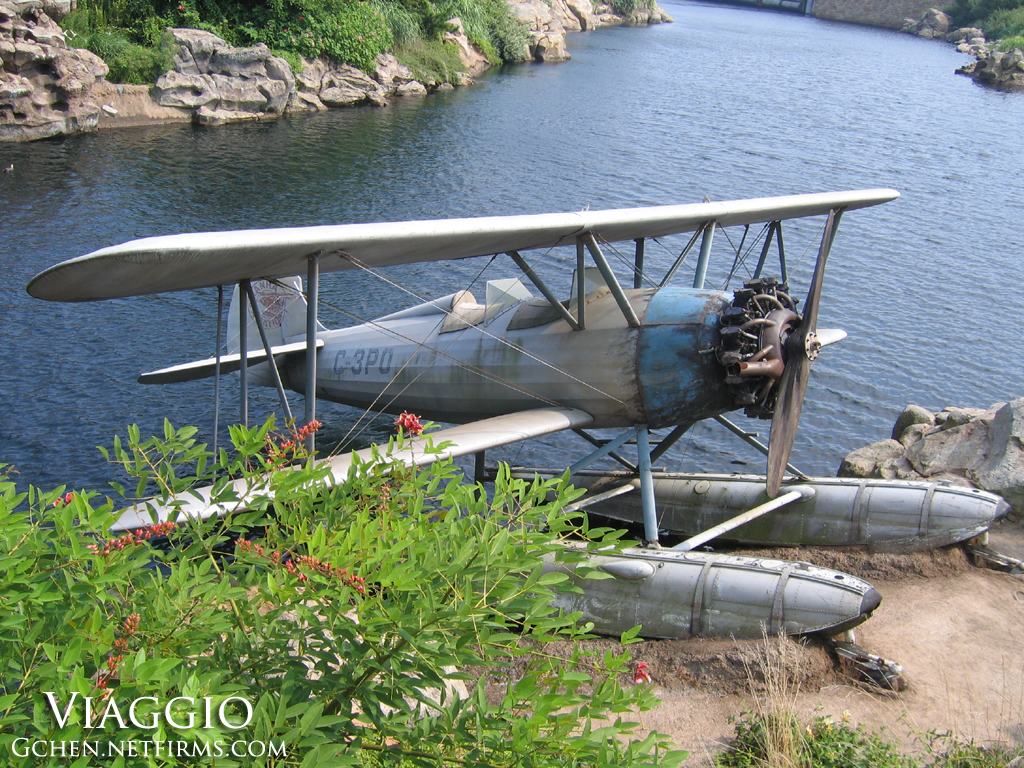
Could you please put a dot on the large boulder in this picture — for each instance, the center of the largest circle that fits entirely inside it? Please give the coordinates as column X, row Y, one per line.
column 223, row 83
column 967, row 446
column 997, row 69
column 45, row 86
column 933, row 24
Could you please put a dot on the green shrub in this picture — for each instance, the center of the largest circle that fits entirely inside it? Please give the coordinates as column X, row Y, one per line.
column 1003, row 24
column 1010, row 43
column 332, row 626
column 822, row 744
column 432, row 62
column 129, row 62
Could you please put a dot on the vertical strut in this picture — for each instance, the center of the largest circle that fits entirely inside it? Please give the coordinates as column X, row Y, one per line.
column 312, row 299
column 581, row 285
column 705, row 255
column 243, row 351
column 765, row 248
column 643, row 446
column 638, row 272
column 216, row 370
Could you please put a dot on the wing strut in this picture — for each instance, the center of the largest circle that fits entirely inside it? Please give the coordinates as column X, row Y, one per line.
column 216, row 369
column 611, row 281
column 275, row 373
column 543, row 288
column 705, row 255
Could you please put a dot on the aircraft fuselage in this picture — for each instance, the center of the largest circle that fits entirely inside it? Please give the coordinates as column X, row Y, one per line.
column 525, row 356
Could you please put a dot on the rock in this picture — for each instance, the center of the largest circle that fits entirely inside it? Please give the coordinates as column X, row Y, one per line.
column 411, row 89
column 195, row 50
column 956, row 448
column 1003, row 472
column 347, row 86
column 207, row 116
column 473, row 59
column 174, row 89
column 965, row 446
column 45, row 87
column 964, row 34
column 912, row 414
column 933, row 24
column 865, row 461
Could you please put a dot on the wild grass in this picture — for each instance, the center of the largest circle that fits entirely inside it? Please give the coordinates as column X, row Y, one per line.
column 772, row 735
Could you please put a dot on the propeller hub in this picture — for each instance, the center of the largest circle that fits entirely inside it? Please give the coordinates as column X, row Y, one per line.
column 812, row 346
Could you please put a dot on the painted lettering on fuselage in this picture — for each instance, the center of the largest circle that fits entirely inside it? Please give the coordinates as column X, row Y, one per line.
column 365, row 361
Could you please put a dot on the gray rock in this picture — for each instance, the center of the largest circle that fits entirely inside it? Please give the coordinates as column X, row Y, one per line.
column 347, row 86
column 912, row 414
column 963, row 34
column 196, row 49
column 1003, row 471
column 174, row 89
column 864, row 462
column 45, row 86
column 914, row 432
column 240, row 62
column 956, row 417
column 411, row 89
column 207, row 116
column 956, row 448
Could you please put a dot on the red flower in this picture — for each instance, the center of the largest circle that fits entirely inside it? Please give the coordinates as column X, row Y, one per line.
column 409, row 422
column 640, row 676
column 67, row 499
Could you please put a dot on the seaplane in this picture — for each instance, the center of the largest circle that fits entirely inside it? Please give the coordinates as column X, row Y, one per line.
column 642, row 357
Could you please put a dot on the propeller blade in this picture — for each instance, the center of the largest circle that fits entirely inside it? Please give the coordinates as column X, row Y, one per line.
column 786, row 419
column 801, row 349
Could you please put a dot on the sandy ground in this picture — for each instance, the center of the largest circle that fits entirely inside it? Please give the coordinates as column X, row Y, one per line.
column 958, row 631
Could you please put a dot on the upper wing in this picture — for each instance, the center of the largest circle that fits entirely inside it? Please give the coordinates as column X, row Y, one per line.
column 205, row 259
column 465, row 439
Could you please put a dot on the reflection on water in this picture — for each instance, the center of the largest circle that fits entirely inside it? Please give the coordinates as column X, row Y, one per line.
column 725, row 103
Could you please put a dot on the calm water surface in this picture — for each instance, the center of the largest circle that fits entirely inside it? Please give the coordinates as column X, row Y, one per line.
column 725, row 103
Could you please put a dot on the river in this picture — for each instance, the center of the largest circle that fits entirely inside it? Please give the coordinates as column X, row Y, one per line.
column 724, row 103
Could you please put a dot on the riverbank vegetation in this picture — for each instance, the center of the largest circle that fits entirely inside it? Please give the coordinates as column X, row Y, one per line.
column 130, row 34
column 399, row 619
column 999, row 19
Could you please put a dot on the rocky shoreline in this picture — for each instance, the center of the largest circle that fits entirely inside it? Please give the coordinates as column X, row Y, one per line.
column 974, row 447
column 48, row 88
column 1003, row 70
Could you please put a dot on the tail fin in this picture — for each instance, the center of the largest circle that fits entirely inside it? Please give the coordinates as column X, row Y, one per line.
column 283, row 311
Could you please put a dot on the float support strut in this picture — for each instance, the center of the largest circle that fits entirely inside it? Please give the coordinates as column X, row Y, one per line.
column 243, row 351
column 312, row 299
column 643, row 445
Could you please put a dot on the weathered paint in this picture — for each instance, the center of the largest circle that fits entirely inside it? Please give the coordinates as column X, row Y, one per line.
column 698, row 594
column 884, row 515
column 678, row 384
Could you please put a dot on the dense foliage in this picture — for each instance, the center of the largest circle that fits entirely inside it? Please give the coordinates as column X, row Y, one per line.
column 998, row 18
column 127, row 34
column 826, row 743
column 345, row 616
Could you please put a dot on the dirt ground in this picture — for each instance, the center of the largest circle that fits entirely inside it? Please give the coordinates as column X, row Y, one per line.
column 957, row 630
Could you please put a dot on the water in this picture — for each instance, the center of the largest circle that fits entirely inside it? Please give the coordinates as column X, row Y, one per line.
column 725, row 103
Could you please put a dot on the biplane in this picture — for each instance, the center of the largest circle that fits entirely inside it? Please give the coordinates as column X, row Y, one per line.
column 638, row 357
